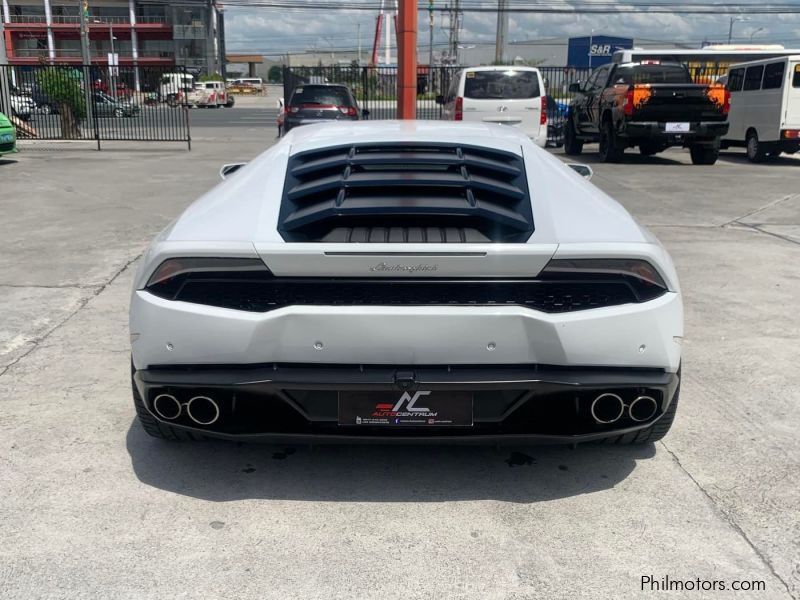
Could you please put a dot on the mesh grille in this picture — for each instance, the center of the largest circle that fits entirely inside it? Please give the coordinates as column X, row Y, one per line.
column 262, row 296
column 331, row 194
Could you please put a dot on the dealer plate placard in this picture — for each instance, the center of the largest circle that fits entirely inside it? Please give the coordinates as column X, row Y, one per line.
column 412, row 408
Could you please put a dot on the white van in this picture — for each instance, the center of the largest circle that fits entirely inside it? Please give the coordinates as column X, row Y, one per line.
column 505, row 95
column 765, row 107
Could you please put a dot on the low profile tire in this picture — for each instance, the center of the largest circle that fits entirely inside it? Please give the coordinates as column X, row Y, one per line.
column 704, row 155
column 572, row 145
column 155, row 428
column 756, row 151
column 610, row 149
column 653, row 433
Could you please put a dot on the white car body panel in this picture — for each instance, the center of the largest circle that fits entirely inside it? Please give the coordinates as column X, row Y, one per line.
column 572, row 219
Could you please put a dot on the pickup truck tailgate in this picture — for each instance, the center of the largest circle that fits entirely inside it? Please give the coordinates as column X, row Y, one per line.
column 678, row 102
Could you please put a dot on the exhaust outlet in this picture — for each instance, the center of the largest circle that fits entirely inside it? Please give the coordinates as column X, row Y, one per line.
column 607, row 408
column 167, row 407
column 202, row 410
column 642, row 408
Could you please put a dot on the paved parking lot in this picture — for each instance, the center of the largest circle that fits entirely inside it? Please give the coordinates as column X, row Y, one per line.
column 90, row 507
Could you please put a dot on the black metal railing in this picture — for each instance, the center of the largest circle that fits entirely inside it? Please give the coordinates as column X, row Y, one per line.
column 126, row 103
column 375, row 88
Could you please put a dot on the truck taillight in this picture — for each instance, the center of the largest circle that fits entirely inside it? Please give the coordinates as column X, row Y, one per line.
column 636, row 97
column 627, row 108
column 720, row 96
column 790, row 134
column 459, row 116
column 543, row 114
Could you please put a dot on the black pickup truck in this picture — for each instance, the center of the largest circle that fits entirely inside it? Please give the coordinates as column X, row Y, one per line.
column 649, row 104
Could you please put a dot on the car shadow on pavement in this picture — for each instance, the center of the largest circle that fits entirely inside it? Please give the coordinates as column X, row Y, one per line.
column 7, row 161
column 632, row 157
column 226, row 471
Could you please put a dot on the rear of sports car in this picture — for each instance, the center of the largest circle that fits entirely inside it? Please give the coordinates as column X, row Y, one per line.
column 414, row 283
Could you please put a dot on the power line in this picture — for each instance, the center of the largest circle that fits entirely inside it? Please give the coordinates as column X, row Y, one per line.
column 546, row 7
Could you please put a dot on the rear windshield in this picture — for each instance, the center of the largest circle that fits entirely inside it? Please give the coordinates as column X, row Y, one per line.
column 321, row 94
column 508, row 85
column 652, row 74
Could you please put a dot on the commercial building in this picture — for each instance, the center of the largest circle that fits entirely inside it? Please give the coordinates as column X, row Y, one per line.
column 187, row 33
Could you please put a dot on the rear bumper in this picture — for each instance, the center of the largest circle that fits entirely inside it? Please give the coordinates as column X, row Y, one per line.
column 644, row 335
column 511, row 404
column 656, row 130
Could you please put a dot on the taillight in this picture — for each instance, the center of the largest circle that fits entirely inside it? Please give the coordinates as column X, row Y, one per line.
column 459, row 116
column 720, row 96
column 627, row 107
column 173, row 273
column 636, row 97
column 543, row 114
column 639, row 274
column 790, row 134
column 350, row 111
column 294, row 109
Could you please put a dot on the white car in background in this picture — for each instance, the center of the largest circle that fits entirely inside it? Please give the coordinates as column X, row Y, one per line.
column 514, row 96
column 412, row 281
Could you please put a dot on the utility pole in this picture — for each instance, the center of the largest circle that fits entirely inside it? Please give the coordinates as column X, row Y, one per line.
column 455, row 10
column 407, row 59
column 86, row 58
column 358, row 25
column 430, row 46
column 502, row 30
column 5, row 91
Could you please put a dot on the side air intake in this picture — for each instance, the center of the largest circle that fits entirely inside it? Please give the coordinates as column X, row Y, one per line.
column 406, row 193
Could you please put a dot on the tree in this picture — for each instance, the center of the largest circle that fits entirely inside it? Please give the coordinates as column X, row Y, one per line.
column 212, row 77
column 64, row 92
column 275, row 74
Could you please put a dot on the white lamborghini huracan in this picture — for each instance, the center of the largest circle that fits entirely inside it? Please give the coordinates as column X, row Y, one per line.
column 406, row 282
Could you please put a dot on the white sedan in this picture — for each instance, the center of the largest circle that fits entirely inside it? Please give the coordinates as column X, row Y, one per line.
column 406, row 282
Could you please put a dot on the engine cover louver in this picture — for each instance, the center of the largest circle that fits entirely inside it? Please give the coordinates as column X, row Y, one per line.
column 406, row 193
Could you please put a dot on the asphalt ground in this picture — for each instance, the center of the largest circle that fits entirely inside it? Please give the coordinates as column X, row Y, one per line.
column 90, row 507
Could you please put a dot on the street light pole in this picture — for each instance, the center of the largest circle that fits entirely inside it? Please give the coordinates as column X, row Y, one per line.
column 730, row 27
column 87, row 60
column 112, row 62
column 430, row 45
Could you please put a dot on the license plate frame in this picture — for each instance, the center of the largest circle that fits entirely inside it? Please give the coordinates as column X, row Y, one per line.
column 678, row 127
column 401, row 409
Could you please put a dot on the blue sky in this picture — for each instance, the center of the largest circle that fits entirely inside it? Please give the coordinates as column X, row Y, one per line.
column 274, row 31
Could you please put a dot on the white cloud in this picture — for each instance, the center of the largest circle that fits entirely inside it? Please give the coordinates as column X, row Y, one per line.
column 273, row 31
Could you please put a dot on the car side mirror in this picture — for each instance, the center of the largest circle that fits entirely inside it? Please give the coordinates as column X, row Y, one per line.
column 439, row 99
column 584, row 171
column 365, row 113
column 230, row 169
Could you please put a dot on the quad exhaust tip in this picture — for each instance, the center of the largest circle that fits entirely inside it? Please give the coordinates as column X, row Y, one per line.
column 642, row 408
column 203, row 410
column 167, row 407
column 607, row 408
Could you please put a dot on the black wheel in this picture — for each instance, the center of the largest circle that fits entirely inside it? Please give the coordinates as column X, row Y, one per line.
column 45, row 109
column 610, row 149
column 756, row 151
column 704, row 155
column 653, row 433
column 572, row 145
column 155, row 428
column 649, row 148
column 119, row 113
